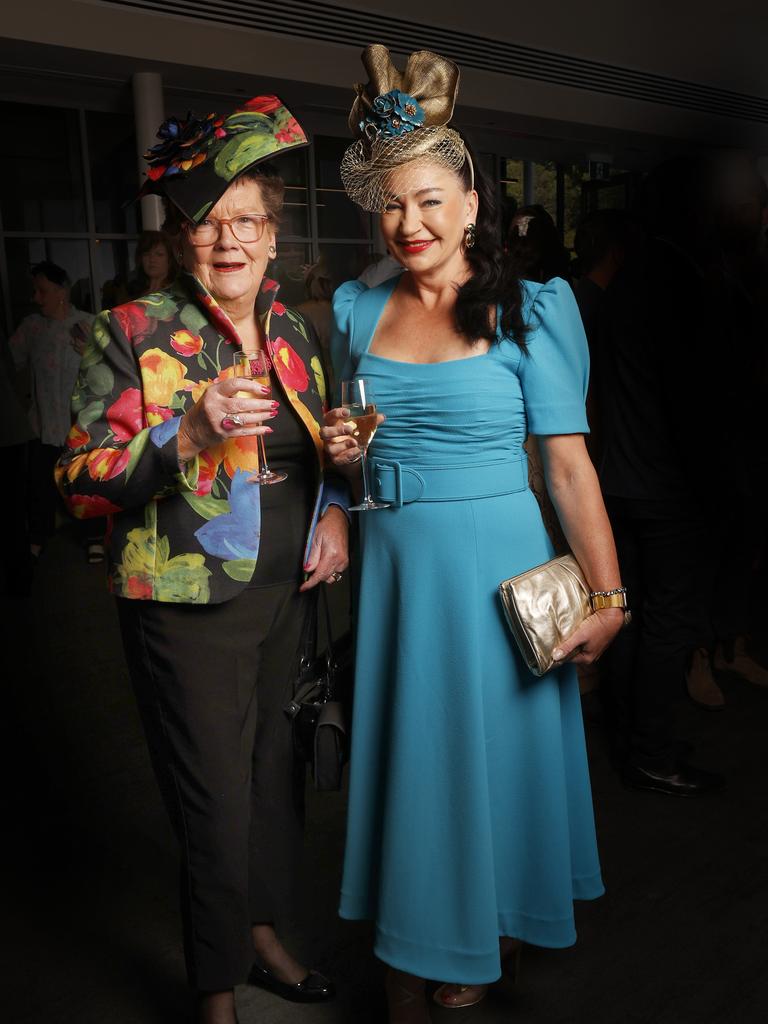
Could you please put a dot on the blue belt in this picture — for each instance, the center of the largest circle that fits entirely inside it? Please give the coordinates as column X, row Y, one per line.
column 397, row 484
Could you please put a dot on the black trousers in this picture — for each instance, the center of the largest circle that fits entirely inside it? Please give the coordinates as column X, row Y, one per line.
column 667, row 566
column 211, row 683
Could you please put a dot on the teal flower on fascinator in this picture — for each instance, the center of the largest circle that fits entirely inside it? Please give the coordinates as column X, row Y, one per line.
column 391, row 115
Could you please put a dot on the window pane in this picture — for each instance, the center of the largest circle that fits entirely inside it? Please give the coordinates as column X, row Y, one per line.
column 114, row 267
column 337, row 216
column 545, row 187
column 23, row 253
column 573, row 178
column 293, row 171
column 41, row 177
column 511, row 192
column 114, row 172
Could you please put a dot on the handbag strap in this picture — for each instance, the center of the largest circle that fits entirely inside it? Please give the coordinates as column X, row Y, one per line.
column 308, row 642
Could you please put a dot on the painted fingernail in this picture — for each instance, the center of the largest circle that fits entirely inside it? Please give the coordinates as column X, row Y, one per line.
column 275, row 405
column 268, row 430
column 266, row 391
column 272, row 415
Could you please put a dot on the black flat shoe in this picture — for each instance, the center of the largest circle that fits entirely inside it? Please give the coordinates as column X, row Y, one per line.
column 684, row 780
column 313, row 989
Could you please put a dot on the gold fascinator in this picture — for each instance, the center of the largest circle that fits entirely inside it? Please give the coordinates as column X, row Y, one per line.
column 400, row 118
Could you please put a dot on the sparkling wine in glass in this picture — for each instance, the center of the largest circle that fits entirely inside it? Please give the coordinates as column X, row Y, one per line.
column 357, row 396
column 256, row 366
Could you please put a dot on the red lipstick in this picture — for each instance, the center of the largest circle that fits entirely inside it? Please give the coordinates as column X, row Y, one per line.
column 416, row 245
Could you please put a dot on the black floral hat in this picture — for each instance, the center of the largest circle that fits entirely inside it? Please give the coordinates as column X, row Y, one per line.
column 198, row 158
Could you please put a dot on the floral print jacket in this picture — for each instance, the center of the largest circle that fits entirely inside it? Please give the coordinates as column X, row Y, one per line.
column 181, row 533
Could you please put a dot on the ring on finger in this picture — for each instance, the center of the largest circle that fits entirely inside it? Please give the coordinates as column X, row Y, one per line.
column 334, row 577
column 232, row 420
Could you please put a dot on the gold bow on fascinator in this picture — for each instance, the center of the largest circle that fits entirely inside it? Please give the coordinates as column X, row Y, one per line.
column 401, row 118
column 432, row 80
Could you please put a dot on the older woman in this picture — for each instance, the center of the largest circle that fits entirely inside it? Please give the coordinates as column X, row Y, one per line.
column 470, row 820
column 212, row 572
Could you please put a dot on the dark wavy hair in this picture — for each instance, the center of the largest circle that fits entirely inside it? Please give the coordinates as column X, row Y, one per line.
column 494, row 281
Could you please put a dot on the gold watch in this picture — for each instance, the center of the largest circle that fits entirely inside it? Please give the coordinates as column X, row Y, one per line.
column 616, row 598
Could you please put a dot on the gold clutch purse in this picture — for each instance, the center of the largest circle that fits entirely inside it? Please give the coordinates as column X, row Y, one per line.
column 543, row 606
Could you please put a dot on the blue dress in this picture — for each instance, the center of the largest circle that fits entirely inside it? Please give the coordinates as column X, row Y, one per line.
column 470, row 811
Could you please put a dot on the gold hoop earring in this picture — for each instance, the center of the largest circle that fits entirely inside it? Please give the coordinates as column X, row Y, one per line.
column 470, row 236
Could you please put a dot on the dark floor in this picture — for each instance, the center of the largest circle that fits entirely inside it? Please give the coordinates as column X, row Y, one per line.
column 92, row 935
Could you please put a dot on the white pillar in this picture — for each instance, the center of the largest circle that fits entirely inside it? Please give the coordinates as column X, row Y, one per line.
column 149, row 114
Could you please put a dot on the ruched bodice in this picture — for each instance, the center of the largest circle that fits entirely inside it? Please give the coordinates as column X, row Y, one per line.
column 460, row 410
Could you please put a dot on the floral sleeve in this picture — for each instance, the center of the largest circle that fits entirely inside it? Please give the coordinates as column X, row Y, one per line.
column 115, row 458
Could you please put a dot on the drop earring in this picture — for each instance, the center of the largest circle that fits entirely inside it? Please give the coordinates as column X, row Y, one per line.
column 470, row 236
column 272, row 252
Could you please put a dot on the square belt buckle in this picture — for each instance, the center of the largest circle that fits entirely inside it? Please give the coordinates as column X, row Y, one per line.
column 396, row 469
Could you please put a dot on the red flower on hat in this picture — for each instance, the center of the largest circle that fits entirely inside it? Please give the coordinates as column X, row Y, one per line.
column 291, row 130
column 290, row 369
column 263, row 104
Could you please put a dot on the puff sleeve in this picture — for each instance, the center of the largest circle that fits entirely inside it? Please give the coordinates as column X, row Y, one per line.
column 554, row 373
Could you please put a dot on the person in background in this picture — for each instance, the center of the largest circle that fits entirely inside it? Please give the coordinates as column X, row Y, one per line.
column 47, row 345
column 382, row 268
column 534, row 248
column 156, row 264
column 679, row 432
column 601, row 244
column 212, row 571
column 317, row 306
column 604, row 240
column 739, row 197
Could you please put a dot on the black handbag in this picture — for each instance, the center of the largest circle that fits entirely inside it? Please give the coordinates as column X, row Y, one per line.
column 321, row 703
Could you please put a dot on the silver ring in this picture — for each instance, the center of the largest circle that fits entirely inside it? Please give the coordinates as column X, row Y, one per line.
column 232, row 420
column 334, row 577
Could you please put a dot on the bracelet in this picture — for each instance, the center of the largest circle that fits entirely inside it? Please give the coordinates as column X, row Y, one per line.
column 607, row 593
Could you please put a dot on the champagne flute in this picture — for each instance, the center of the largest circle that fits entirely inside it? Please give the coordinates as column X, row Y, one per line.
column 255, row 365
column 357, row 396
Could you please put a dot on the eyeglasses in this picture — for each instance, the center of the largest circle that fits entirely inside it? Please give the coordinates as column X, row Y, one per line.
column 246, row 227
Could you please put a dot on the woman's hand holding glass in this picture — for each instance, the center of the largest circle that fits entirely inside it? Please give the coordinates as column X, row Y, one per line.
column 234, row 407
column 348, row 432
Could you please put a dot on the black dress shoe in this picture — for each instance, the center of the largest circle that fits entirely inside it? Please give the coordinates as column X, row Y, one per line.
column 683, row 780
column 313, row 989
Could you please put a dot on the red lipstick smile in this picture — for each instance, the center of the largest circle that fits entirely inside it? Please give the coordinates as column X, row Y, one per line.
column 416, row 245
column 227, row 268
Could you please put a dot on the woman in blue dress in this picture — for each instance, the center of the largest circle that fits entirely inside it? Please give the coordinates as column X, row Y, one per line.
column 470, row 818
